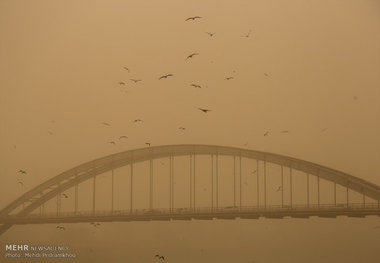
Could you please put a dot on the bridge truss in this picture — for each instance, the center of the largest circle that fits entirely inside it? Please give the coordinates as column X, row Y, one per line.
column 211, row 173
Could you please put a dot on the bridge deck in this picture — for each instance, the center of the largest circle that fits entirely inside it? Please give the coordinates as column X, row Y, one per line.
column 329, row 211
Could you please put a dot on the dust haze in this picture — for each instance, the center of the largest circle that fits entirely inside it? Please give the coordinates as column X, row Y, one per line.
column 83, row 79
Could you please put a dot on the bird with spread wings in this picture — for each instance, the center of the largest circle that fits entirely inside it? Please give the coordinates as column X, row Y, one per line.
column 159, row 257
column 165, row 76
column 191, row 55
column 203, row 110
column 192, row 18
column 247, row 35
column 196, row 86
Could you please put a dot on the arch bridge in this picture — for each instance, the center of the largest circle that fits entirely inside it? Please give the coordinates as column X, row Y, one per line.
column 184, row 182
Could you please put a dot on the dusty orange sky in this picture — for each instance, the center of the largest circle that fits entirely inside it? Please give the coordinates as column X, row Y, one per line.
column 309, row 68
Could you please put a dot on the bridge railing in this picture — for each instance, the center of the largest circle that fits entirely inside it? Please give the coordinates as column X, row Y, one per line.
column 210, row 210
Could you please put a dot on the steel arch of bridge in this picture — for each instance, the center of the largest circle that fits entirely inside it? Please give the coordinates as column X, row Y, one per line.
column 72, row 177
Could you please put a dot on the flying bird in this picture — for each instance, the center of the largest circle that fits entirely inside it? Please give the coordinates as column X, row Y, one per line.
column 112, row 142
column 228, row 78
column 192, row 55
column 279, row 188
column 210, row 34
column 192, row 18
column 127, row 69
column 182, row 128
column 266, row 133
column 247, row 35
column 121, row 83
column 196, row 86
column 21, row 183
column 106, row 124
column 165, row 76
column 65, row 195
column 95, row 224
column 204, row 110
column 136, row 80
column 159, row 257
column 50, row 132
column 123, row 137
column 22, row 171
column 61, row 227
column 266, row 74
column 285, row 131
column 138, row 120
column 253, row 172
column 148, row 143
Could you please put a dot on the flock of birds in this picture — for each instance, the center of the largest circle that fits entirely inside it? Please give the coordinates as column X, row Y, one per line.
column 136, row 121
column 162, row 77
column 165, row 76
